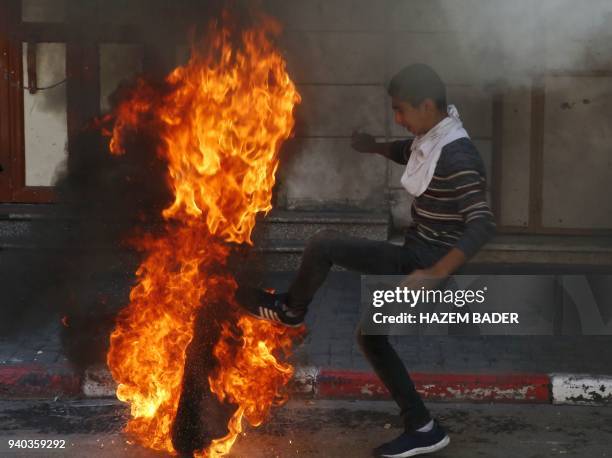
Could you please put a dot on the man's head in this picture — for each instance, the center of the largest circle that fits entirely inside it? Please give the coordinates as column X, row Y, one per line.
column 418, row 98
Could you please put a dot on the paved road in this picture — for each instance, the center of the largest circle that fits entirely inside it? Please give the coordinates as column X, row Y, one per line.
column 326, row 429
column 331, row 343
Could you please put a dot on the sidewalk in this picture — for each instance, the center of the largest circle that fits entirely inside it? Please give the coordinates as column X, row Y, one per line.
column 331, row 359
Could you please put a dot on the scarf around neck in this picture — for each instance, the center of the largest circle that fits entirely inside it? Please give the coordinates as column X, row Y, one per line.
column 425, row 152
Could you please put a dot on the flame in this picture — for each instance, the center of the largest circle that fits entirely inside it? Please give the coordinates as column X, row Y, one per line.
column 237, row 379
column 221, row 120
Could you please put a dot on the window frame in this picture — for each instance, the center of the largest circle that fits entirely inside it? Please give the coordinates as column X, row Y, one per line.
column 82, row 93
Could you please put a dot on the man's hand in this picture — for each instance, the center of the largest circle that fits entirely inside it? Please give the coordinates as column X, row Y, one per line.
column 364, row 143
column 434, row 275
column 426, row 278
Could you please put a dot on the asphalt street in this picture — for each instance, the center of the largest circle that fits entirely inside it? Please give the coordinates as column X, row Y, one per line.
column 305, row 428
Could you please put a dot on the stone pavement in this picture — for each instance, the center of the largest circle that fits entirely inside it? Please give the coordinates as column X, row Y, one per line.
column 331, row 342
column 41, row 346
column 333, row 317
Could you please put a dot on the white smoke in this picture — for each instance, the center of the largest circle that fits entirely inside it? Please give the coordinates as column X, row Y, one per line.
column 515, row 40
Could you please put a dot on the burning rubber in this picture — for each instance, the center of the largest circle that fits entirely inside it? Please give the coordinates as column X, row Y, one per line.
column 188, row 362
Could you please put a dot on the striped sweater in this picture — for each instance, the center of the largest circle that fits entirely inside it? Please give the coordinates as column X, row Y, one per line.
column 453, row 211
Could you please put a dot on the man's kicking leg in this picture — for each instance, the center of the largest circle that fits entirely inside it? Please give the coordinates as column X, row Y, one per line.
column 422, row 435
column 322, row 251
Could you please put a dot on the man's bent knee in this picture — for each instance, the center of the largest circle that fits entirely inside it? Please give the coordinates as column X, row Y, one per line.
column 322, row 239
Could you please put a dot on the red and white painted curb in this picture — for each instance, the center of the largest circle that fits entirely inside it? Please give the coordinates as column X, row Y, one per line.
column 18, row 381
column 38, row 381
column 506, row 388
column 342, row 384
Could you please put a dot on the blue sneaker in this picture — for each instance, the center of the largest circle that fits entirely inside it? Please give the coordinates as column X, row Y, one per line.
column 415, row 443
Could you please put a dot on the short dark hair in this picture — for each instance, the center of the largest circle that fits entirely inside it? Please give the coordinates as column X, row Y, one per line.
column 416, row 83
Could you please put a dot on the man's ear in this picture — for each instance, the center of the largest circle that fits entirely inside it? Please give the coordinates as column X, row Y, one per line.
column 429, row 106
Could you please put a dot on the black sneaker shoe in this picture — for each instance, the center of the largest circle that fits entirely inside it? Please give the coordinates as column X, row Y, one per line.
column 412, row 444
column 272, row 307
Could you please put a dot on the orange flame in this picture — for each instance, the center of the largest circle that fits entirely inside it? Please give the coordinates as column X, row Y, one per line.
column 221, row 124
column 243, row 367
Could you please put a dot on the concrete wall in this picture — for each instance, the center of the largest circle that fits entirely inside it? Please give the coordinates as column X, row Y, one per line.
column 336, row 53
column 118, row 62
column 342, row 53
column 43, row 10
column 572, row 52
column 515, row 159
column 578, row 152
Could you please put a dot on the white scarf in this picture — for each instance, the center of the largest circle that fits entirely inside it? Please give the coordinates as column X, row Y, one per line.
column 425, row 152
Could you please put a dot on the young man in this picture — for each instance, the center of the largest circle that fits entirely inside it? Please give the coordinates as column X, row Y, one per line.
column 451, row 221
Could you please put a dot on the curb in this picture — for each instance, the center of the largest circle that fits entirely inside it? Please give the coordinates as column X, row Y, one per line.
column 23, row 380
column 526, row 388
column 38, row 380
column 320, row 383
column 581, row 389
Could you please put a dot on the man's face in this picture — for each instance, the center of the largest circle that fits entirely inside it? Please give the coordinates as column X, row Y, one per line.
column 415, row 119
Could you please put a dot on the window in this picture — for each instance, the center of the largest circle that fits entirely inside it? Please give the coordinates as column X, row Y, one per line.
column 52, row 82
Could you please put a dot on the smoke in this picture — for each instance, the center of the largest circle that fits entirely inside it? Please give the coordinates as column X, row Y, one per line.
column 76, row 263
column 513, row 42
